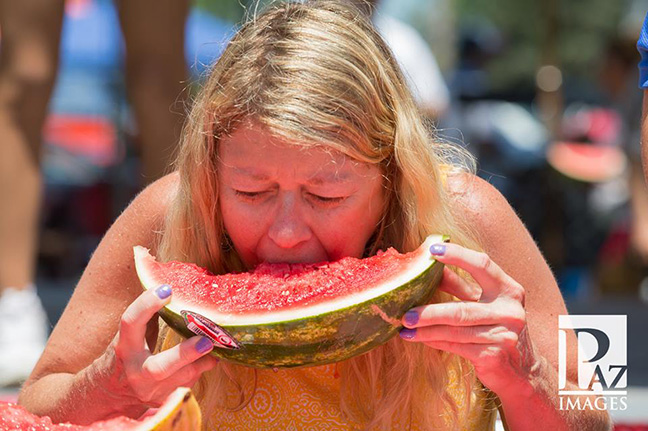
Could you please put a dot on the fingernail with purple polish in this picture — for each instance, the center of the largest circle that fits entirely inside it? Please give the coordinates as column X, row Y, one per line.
column 438, row 249
column 411, row 317
column 204, row 345
column 163, row 292
column 407, row 334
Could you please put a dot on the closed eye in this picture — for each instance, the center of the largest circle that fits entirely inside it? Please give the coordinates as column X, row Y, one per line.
column 248, row 194
column 320, row 199
column 327, row 200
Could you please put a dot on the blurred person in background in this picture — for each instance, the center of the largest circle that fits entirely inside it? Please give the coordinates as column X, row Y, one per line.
column 618, row 77
column 640, row 206
column 415, row 58
column 155, row 74
column 642, row 47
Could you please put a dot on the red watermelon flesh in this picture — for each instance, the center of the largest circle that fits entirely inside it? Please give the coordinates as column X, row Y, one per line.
column 276, row 286
column 16, row 418
column 179, row 412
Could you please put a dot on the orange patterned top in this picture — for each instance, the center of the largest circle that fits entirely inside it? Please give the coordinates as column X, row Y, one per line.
column 306, row 399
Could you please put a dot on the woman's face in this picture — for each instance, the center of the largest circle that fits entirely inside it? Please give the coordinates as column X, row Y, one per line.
column 283, row 203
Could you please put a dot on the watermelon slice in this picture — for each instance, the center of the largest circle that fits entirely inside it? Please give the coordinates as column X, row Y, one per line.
column 292, row 315
column 180, row 412
column 587, row 162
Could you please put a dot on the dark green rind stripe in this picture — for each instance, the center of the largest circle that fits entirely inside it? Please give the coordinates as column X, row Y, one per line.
column 327, row 338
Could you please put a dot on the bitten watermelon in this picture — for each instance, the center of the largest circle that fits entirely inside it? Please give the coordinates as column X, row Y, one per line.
column 292, row 315
column 180, row 412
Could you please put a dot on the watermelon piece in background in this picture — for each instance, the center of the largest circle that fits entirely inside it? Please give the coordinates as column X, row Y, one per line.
column 179, row 412
column 587, row 162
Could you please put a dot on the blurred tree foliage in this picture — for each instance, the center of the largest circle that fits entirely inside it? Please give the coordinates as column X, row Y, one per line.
column 579, row 35
column 232, row 10
column 581, row 30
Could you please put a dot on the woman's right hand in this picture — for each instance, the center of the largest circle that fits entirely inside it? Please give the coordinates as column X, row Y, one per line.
column 140, row 378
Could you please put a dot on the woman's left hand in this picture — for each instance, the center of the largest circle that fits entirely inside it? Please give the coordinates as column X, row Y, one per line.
column 487, row 326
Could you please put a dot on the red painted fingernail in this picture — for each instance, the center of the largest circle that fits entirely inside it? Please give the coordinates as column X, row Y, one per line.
column 438, row 249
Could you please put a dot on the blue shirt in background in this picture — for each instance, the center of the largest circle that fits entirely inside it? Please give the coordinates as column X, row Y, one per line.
column 642, row 47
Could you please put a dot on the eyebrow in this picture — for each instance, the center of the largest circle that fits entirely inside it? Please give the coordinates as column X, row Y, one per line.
column 251, row 173
column 316, row 180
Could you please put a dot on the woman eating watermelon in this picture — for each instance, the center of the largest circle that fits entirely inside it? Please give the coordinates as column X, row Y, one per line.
column 306, row 146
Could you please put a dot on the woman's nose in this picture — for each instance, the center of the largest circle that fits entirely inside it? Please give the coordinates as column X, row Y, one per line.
column 288, row 228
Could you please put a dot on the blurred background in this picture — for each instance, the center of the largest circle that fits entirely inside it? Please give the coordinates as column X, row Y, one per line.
column 544, row 93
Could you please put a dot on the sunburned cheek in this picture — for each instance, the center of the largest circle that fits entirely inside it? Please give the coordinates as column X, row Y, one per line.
column 351, row 247
column 248, row 222
column 348, row 239
column 242, row 222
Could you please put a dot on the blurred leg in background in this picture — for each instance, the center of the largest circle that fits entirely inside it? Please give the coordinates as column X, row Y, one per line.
column 156, row 77
column 28, row 63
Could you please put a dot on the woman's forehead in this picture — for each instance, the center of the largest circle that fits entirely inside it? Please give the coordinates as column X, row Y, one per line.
column 252, row 152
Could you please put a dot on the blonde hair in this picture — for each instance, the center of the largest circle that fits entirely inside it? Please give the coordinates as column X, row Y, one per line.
column 317, row 73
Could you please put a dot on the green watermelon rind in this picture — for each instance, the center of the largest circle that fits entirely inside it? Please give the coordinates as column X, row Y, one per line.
column 326, row 338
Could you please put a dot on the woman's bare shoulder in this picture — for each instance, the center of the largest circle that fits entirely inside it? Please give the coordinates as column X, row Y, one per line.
column 481, row 208
column 479, row 203
column 108, row 284
column 142, row 220
column 150, row 205
column 508, row 243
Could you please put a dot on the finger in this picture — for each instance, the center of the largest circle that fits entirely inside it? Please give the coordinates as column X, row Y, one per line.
column 481, row 334
column 470, row 352
column 153, row 394
column 132, row 327
column 479, row 265
column 485, row 358
column 164, row 364
column 454, row 313
column 189, row 374
column 453, row 284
